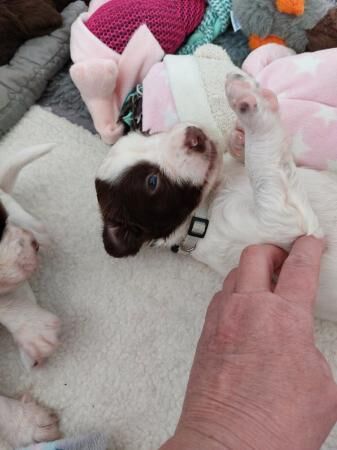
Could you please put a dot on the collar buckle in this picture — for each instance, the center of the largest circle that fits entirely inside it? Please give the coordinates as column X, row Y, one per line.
column 197, row 230
column 198, row 227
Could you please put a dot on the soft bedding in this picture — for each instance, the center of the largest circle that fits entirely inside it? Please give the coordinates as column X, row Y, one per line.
column 24, row 79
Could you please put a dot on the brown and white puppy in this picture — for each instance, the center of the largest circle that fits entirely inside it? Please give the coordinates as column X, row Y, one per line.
column 34, row 329
column 149, row 188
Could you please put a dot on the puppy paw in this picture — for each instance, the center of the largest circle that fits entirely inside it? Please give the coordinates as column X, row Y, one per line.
column 38, row 338
column 43, row 422
column 29, row 423
column 237, row 144
column 252, row 104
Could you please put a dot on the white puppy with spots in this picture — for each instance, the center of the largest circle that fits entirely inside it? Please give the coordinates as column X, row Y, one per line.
column 151, row 189
column 34, row 329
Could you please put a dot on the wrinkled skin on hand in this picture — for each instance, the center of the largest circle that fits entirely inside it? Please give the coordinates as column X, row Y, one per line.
column 257, row 380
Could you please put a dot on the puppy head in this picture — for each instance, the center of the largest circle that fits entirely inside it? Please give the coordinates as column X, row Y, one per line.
column 18, row 254
column 148, row 186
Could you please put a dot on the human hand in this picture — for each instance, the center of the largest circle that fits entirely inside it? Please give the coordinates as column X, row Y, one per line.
column 258, row 381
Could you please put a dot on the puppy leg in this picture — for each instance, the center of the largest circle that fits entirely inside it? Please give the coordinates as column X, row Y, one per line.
column 34, row 329
column 281, row 204
column 25, row 422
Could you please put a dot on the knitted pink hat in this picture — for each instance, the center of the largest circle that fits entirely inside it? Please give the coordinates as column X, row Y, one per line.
column 170, row 21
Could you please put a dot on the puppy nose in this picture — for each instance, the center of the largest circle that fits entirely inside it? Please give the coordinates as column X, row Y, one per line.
column 35, row 245
column 195, row 139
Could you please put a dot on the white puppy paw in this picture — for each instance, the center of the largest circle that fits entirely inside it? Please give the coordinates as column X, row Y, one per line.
column 251, row 103
column 28, row 423
column 38, row 337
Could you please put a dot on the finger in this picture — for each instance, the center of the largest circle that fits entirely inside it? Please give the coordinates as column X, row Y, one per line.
column 230, row 283
column 257, row 266
column 220, row 297
column 215, row 307
column 211, row 319
column 298, row 280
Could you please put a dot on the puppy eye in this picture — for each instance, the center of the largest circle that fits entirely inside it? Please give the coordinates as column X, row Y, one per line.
column 152, row 182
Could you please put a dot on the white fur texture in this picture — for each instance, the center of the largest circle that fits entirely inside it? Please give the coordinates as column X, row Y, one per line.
column 166, row 150
column 26, row 422
column 269, row 200
column 130, row 326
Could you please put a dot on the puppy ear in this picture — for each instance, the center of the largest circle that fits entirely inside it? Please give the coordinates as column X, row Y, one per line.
column 20, row 218
column 13, row 164
column 121, row 241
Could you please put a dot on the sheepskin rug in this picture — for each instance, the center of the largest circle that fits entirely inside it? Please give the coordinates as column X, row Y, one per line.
column 130, row 326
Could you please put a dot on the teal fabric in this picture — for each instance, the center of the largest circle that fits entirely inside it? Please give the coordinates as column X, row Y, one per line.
column 214, row 22
column 131, row 112
column 94, row 441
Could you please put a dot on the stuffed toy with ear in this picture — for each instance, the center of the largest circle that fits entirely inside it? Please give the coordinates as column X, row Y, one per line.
column 303, row 25
column 114, row 45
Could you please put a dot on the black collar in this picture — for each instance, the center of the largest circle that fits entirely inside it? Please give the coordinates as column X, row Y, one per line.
column 196, row 231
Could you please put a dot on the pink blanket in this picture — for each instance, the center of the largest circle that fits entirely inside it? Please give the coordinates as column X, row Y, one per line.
column 306, row 86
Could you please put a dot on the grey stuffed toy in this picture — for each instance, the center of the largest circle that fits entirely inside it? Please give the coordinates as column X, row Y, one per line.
column 299, row 24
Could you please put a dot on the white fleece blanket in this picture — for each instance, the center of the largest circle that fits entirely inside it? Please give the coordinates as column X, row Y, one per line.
column 130, row 326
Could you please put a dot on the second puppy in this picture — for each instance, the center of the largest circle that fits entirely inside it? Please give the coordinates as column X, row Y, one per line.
column 34, row 329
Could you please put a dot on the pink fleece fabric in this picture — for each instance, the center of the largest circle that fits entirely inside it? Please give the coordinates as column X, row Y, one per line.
column 104, row 77
column 159, row 109
column 306, row 86
column 95, row 4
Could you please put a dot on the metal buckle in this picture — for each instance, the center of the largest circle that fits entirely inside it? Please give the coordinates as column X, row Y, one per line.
column 188, row 250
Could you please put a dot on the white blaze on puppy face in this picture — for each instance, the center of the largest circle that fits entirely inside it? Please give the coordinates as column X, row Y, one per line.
column 187, row 154
column 149, row 186
column 184, row 154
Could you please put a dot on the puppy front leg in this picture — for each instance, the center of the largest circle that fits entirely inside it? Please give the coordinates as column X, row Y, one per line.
column 34, row 329
column 25, row 422
column 282, row 208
